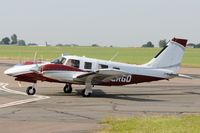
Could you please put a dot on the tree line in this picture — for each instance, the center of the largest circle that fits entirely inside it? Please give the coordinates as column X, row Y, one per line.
column 163, row 43
column 13, row 40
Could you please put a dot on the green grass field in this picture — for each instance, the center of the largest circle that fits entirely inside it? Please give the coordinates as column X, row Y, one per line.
column 127, row 55
column 153, row 124
column 156, row 124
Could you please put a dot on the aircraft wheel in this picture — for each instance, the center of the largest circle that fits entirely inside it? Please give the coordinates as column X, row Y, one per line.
column 86, row 95
column 67, row 88
column 30, row 90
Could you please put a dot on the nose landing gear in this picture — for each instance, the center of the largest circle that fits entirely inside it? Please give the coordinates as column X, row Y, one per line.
column 31, row 90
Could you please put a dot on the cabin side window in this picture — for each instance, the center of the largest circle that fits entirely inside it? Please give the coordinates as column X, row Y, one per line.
column 73, row 63
column 88, row 65
column 62, row 60
column 117, row 68
column 102, row 66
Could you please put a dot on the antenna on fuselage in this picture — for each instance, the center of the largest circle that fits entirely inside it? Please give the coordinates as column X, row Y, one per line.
column 65, row 54
column 35, row 56
column 20, row 56
column 36, row 62
column 116, row 54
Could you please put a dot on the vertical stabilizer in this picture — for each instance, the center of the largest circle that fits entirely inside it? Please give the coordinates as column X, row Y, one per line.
column 170, row 56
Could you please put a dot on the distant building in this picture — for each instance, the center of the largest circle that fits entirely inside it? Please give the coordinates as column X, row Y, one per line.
column 32, row 44
column 59, row 44
column 190, row 45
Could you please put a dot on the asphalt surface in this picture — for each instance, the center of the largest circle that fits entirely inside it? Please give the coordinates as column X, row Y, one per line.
column 56, row 112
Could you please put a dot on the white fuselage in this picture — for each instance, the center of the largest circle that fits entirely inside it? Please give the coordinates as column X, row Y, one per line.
column 96, row 65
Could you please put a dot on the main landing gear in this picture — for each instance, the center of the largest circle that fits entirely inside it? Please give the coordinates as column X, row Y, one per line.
column 31, row 90
column 85, row 92
column 88, row 89
column 67, row 88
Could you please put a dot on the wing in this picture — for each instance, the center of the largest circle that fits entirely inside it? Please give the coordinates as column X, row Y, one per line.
column 101, row 76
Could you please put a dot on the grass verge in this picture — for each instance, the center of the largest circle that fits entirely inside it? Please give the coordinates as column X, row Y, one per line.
column 153, row 124
column 127, row 55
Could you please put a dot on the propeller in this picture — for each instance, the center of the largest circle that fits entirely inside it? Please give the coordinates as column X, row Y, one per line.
column 20, row 84
column 36, row 68
column 35, row 56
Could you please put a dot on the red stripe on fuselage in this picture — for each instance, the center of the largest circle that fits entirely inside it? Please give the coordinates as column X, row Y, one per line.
column 31, row 62
column 134, row 80
column 33, row 77
column 57, row 67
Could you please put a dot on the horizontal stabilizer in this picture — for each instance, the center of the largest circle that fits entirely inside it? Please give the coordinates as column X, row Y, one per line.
column 180, row 75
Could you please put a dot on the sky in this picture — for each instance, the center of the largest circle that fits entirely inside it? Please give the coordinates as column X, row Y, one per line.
column 120, row 23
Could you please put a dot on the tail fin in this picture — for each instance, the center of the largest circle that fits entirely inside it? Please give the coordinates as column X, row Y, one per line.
column 170, row 56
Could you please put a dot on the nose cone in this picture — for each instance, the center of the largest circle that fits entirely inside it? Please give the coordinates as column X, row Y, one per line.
column 8, row 72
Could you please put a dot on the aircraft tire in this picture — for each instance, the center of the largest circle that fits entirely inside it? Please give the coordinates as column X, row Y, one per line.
column 84, row 95
column 31, row 90
column 67, row 88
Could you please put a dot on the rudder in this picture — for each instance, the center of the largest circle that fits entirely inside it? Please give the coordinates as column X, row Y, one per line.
column 170, row 56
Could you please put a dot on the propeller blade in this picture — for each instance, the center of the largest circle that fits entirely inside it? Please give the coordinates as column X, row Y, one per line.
column 36, row 68
column 35, row 56
column 19, row 84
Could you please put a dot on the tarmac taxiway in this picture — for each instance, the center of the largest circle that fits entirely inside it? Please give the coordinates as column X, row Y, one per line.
column 51, row 110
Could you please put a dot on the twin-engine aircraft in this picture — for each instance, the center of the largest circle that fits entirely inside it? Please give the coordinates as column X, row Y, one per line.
column 90, row 72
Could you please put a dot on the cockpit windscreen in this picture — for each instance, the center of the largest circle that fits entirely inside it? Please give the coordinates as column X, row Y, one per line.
column 60, row 60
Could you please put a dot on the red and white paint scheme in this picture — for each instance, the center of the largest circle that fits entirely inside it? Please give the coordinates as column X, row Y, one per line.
column 90, row 72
